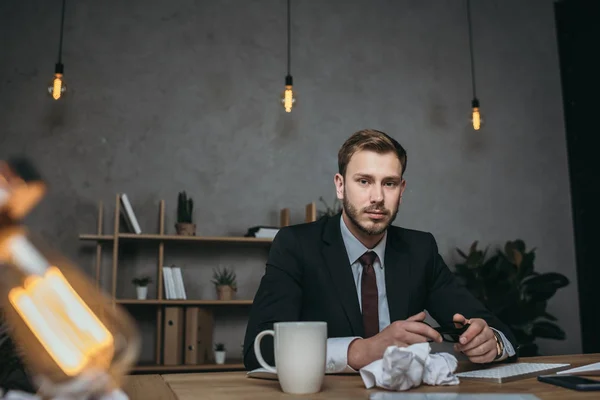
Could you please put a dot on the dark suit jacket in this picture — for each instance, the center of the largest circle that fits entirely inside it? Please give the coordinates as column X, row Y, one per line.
column 308, row 278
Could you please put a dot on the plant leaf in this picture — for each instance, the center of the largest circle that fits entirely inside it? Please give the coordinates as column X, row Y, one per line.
column 549, row 316
column 543, row 286
column 526, row 268
column 473, row 246
column 519, row 245
column 462, row 254
column 548, row 330
column 518, row 257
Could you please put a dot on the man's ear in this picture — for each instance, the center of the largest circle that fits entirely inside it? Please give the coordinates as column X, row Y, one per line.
column 338, row 180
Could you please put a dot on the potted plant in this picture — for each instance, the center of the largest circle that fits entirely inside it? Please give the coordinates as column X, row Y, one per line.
column 330, row 211
column 220, row 353
column 141, row 284
column 508, row 286
column 185, row 207
column 224, row 281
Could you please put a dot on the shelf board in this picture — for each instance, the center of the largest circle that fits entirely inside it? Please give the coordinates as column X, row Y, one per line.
column 235, row 365
column 186, row 302
column 177, row 238
column 96, row 237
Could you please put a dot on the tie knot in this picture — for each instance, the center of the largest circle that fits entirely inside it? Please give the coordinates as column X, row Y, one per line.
column 368, row 258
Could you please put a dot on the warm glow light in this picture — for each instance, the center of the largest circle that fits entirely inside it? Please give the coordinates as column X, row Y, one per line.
column 64, row 325
column 56, row 91
column 476, row 119
column 288, row 98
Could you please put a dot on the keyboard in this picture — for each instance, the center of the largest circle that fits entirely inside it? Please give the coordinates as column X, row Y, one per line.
column 511, row 372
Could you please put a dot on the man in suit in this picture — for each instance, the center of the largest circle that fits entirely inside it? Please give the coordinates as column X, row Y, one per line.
column 370, row 281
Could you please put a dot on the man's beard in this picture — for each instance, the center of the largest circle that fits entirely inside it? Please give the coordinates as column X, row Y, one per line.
column 353, row 213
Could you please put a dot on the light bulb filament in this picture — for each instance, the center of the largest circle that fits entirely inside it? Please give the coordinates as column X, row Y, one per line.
column 476, row 118
column 56, row 91
column 288, row 98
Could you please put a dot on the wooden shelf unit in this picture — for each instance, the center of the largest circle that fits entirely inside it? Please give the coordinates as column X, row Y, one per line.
column 113, row 239
column 176, row 238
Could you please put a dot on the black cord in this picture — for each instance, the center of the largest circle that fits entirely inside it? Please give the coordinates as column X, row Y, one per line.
column 471, row 48
column 288, row 39
column 62, row 23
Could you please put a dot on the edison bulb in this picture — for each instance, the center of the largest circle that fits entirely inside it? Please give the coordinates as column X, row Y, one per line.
column 476, row 117
column 288, row 98
column 57, row 87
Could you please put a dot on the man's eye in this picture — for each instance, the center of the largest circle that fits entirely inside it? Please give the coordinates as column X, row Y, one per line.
column 363, row 181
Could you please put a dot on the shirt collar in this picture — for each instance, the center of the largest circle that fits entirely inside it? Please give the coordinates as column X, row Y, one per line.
column 355, row 248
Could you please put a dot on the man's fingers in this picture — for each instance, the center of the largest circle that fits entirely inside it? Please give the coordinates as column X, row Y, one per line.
column 412, row 338
column 417, row 317
column 475, row 328
column 485, row 336
column 480, row 350
column 423, row 330
column 486, row 358
column 459, row 320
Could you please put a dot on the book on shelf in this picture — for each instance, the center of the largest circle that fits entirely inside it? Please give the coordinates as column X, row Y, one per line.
column 174, row 287
column 178, row 276
column 262, row 232
column 129, row 215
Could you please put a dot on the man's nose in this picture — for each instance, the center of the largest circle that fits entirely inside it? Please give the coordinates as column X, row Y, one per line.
column 376, row 194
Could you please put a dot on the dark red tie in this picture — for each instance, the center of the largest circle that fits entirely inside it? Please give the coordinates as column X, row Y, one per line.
column 369, row 298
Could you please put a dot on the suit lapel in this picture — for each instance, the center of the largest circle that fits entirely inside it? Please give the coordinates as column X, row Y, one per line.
column 338, row 264
column 397, row 275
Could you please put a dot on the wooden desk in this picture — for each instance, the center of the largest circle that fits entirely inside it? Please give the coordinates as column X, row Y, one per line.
column 235, row 385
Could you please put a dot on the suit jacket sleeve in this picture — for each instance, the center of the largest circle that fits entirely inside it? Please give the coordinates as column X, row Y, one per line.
column 447, row 296
column 278, row 298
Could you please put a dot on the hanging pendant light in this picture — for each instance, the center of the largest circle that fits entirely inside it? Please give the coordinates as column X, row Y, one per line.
column 57, row 87
column 288, row 98
column 476, row 118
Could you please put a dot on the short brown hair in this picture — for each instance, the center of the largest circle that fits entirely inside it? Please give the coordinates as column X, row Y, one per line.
column 369, row 139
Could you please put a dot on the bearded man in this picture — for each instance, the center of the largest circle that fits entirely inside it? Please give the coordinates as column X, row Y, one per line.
column 369, row 280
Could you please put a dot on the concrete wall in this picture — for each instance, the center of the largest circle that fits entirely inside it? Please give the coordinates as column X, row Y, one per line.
column 184, row 95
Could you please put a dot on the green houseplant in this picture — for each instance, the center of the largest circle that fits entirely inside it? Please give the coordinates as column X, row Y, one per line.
column 220, row 353
column 335, row 208
column 185, row 208
column 225, row 283
column 141, row 284
column 508, row 286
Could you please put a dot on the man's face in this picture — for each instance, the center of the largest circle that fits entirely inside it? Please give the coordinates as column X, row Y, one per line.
column 371, row 191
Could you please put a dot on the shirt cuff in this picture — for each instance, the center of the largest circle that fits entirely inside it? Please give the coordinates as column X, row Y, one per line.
column 509, row 351
column 337, row 355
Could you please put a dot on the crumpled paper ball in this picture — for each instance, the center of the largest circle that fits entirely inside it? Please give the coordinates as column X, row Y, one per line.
column 402, row 368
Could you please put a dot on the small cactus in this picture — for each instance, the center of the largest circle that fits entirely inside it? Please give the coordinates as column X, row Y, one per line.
column 185, row 208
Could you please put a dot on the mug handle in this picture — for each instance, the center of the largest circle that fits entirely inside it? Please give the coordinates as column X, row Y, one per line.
column 259, row 356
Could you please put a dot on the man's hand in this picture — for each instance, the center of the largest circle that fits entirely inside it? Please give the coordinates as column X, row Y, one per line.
column 362, row 352
column 478, row 342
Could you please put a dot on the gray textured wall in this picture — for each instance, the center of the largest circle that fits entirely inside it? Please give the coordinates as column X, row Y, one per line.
column 183, row 95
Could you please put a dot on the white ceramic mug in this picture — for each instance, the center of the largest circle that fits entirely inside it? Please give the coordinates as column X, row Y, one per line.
column 300, row 355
